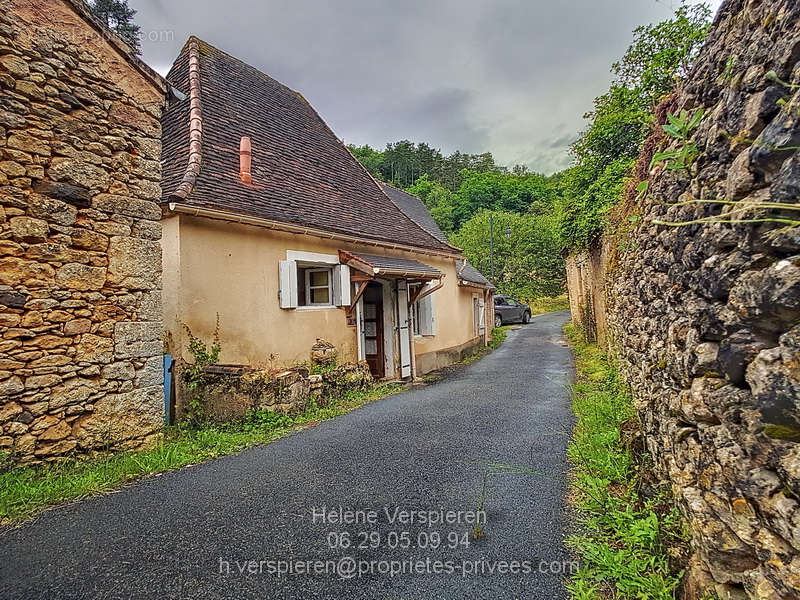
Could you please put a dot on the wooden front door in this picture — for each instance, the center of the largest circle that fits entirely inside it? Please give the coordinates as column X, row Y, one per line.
column 373, row 329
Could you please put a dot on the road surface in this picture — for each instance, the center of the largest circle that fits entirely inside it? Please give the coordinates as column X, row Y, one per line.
column 410, row 467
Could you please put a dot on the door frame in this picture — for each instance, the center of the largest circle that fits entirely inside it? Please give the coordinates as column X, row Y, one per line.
column 389, row 301
column 392, row 338
column 380, row 330
column 405, row 335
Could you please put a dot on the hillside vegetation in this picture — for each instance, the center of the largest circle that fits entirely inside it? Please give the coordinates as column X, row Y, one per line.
column 537, row 216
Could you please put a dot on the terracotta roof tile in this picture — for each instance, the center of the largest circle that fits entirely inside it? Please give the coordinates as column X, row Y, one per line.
column 301, row 172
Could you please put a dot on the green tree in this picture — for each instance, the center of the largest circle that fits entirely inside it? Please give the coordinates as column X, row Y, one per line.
column 369, row 157
column 662, row 52
column 621, row 119
column 494, row 190
column 439, row 200
column 402, row 163
column 591, row 195
column 118, row 16
column 527, row 261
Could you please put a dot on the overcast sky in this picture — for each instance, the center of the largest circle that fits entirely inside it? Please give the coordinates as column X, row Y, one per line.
column 513, row 77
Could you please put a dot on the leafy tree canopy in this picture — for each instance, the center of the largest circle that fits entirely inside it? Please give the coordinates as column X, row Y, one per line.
column 402, row 163
column 621, row 118
column 527, row 263
column 118, row 16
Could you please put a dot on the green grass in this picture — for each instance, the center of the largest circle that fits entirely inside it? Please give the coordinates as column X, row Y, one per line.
column 623, row 538
column 548, row 304
column 24, row 491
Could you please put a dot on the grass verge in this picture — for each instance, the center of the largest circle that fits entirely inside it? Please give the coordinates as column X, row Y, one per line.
column 547, row 304
column 623, row 539
column 24, row 491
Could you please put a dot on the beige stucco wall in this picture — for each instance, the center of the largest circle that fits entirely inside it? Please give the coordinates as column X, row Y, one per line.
column 214, row 267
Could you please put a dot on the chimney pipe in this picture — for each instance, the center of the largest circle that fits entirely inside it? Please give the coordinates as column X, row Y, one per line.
column 245, row 155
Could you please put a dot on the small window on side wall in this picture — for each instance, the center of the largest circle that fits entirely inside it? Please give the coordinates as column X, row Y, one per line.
column 313, row 285
column 423, row 313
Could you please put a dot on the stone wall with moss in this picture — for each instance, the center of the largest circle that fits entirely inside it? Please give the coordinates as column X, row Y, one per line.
column 705, row 318
column 230, row 392
column 80, row 257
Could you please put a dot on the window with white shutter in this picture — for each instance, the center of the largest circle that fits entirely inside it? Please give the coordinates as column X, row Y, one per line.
column 424, row 314
column 288, row 284
column 427, row 312
column 314, row 281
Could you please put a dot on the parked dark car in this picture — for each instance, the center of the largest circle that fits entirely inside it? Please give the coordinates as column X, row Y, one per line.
column 508, row 310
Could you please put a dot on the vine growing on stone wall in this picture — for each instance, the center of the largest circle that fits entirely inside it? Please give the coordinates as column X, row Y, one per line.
column 680, row 127
column 683, row 157
column 194, row 375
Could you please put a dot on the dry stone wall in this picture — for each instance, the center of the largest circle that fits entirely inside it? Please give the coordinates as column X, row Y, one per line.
column 705, row 318
column 80, row 257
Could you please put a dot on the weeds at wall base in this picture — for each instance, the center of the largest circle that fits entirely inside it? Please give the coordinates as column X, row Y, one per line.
column 629, row 545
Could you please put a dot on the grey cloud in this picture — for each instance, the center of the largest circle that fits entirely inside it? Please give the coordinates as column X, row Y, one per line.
column 513, row 77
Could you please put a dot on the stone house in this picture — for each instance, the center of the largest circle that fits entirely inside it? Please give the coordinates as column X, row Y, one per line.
column 272, row 224
column 80, row 259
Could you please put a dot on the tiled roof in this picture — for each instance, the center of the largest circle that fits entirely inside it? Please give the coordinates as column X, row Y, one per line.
column 415, row 209
column 302, row 173
column 470, row 274
column 393, row 265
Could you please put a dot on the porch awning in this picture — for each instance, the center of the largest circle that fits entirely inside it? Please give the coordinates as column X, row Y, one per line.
column 389, row 266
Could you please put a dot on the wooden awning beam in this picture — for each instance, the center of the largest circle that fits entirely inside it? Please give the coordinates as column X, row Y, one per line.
column 422, row 292
column 359, row 292
column 354, row 262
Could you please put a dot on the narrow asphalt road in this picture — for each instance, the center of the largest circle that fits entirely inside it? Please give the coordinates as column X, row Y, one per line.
column 193, row 533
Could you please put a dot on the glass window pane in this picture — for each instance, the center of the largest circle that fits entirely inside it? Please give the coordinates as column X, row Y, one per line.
column 320, row 296
column 370, row 347
column 370, row 329
column 319, row 278
column 370, row 311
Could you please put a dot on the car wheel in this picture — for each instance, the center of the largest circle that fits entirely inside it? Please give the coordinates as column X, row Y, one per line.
column 498, row 321
column 526, row 318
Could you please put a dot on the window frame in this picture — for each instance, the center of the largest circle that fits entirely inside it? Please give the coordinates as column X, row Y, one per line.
column 414, row 310
column 308, row 287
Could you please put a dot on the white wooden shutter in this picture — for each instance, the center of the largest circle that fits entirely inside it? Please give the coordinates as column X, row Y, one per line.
column 288, row 282
column 402, row 325
column 427, row 315
column 341, row 285
column 482, row 309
